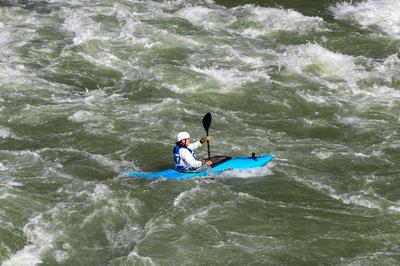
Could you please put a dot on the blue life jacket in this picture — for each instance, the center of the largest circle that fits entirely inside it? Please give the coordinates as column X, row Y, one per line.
column 179, row 163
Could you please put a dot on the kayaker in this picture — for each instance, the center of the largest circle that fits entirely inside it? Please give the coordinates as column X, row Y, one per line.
column 184, row 156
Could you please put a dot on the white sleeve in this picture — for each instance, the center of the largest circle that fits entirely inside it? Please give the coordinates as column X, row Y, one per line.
column 189, row 159
column 194, row 145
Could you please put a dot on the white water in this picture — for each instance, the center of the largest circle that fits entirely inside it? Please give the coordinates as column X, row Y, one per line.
column 383, row 14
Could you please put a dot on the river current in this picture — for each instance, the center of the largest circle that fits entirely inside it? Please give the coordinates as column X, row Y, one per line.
column 92, row 89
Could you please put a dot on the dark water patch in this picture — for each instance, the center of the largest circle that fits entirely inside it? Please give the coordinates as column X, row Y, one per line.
column 108, row 23
column 143, row 153
column 309, row 8
column 177, row 26
column 45, row 47
column 141, row 90
column 45, row 134
column 75, row 71
column 174, row 56
column 353, row 40
column 87, row 168
column 289, row 198
column 90, row 142
column 43, row 7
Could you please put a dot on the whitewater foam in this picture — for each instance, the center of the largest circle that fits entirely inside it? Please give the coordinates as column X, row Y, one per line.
column 158, row 106
column 40, row 240
column 249, row 20
column 384, row 95
column 184, row 195
column 249, row 173
column 247, row 196
column 81, row 116
column 81, row 26
column 145, row 260
column 358, row 199
column 198, row 15
column 101, row 192
column 366, row 198
column 230, row 79
column 2, row 167
column 5, row 132
column 263, row 21
column 316, row 99
column 323, row 155
column 321, row 64
column 60, row 255
column 381, row 13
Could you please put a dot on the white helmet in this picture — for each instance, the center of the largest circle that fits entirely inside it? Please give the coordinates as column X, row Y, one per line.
column 182, row 135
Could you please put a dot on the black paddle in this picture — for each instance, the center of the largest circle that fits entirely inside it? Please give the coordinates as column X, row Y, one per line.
column 206, row 124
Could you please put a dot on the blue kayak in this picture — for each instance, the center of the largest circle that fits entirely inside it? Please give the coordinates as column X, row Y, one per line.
column 221, row 165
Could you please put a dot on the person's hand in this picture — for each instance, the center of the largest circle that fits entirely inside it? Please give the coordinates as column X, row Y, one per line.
column 206, row 138
column 209, row 162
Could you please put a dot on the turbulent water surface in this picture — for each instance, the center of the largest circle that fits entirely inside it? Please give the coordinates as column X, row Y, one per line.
column 92, row 89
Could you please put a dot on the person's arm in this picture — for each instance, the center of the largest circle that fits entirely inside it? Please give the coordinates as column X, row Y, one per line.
column 198, row 143
column 195, row 145
column 189, row 159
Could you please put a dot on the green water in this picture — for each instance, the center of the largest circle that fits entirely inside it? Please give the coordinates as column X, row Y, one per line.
column 92, row 89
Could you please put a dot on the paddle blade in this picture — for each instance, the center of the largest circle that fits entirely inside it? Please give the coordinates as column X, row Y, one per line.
column 207, row 121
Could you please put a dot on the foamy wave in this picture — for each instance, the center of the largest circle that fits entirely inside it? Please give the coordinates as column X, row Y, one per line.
column 381, row 13
column 12, row 68
column 395, row 208
column 23, row 158
column 4, row 35
column 142, row 259
column 249, row 20
column 2, row 167
column 14, row 184
column 365, row 198
column 2, row 108
column 369, row 199
column 246, row 196
column 357, row 199
column 247, row 173
column 40, row 239
column 323, row 155
column 315, row 61
column 5, row 133
column 14, row 73
column 82, row 27
column 317, row 99
column 388, row 71
column 231, row 78
column 263, row 20
column 81, row 116
column 357, row 79
column 49, row 233
column 184, row 195
column 5, row 195
column 208, row 18
column 381, row 256
column 383, row 95
column 101, row 192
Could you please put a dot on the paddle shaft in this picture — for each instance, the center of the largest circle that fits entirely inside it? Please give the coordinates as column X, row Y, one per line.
column 206, row 124
column 208, row 145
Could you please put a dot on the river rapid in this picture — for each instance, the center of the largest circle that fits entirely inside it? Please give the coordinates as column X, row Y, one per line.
column 92, row 89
